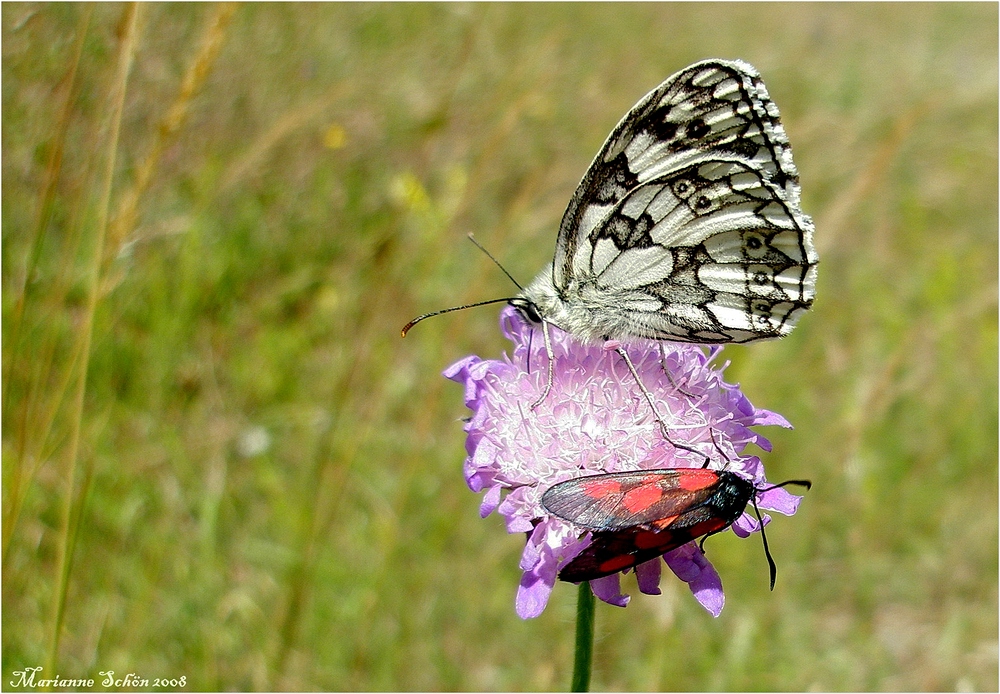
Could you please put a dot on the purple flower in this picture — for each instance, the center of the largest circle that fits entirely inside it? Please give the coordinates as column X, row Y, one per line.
column 596, row 420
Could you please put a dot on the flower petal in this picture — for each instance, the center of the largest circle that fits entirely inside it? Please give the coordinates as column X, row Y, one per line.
column 769, row 418
column 595, row 419
column 691, row 566
column 609, row 589
column 532, row 595
column 647, row 574
column 780, row 500
column 490, row 501
column 746, row 524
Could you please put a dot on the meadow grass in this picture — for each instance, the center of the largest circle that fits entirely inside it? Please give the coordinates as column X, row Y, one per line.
column 221, row 462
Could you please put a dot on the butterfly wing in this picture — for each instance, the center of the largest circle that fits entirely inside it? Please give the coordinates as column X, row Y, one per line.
column 687, row 225
column 711, row 253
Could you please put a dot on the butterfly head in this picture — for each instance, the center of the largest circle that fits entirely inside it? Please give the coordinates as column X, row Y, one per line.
column 527, row 309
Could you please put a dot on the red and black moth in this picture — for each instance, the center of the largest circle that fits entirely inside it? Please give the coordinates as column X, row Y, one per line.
column 637, row 516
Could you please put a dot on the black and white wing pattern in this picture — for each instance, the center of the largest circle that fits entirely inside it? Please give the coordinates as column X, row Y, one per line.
column 687, row 224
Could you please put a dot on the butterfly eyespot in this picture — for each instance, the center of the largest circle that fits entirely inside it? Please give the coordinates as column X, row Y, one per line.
column 683, row 189
column 698, row 129
column 761, row 278
column 760, row 307
column 754, row 246
column 702, row 203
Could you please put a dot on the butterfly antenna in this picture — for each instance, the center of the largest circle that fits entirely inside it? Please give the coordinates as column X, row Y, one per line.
column 406, row 328
column 495, row 261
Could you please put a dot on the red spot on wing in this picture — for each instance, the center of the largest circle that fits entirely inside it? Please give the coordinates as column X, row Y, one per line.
column 693, row 480
column 598, row 489
column 642, row 497
column 662, row 523
column 622, row 561
column 651, row 543
column 706, row 527
column 647, row 539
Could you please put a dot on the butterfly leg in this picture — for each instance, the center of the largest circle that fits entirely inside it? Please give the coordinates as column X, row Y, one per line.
column 551, row 358
column 666, row 372
column 652, row 406
column 722, row 456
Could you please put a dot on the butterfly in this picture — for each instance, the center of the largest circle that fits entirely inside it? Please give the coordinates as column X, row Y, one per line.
column 687, row 225
column 637, row 516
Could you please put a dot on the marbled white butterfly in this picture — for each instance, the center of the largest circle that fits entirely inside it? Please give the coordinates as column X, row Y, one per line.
column 687, row 224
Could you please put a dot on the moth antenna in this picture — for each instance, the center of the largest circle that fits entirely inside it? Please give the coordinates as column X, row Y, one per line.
column 495, row 261
column 767, row 552
column 406, row 328
column 802, row 483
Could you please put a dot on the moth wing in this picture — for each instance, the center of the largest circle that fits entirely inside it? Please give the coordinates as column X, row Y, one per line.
column 609, row 553
column 621, row 501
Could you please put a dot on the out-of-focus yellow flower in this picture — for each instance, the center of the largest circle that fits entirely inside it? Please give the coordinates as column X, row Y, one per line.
column 335, row 136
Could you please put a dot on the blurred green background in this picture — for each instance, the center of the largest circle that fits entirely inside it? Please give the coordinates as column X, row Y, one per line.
column 221, row 216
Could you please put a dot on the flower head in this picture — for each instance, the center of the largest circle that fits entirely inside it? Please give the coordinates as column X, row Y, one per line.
column 596, row 420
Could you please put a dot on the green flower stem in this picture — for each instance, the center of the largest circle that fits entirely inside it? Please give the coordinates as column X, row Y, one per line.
column 584, row 639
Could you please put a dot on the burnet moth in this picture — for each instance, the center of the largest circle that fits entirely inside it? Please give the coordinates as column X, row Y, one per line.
column 637, row 516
